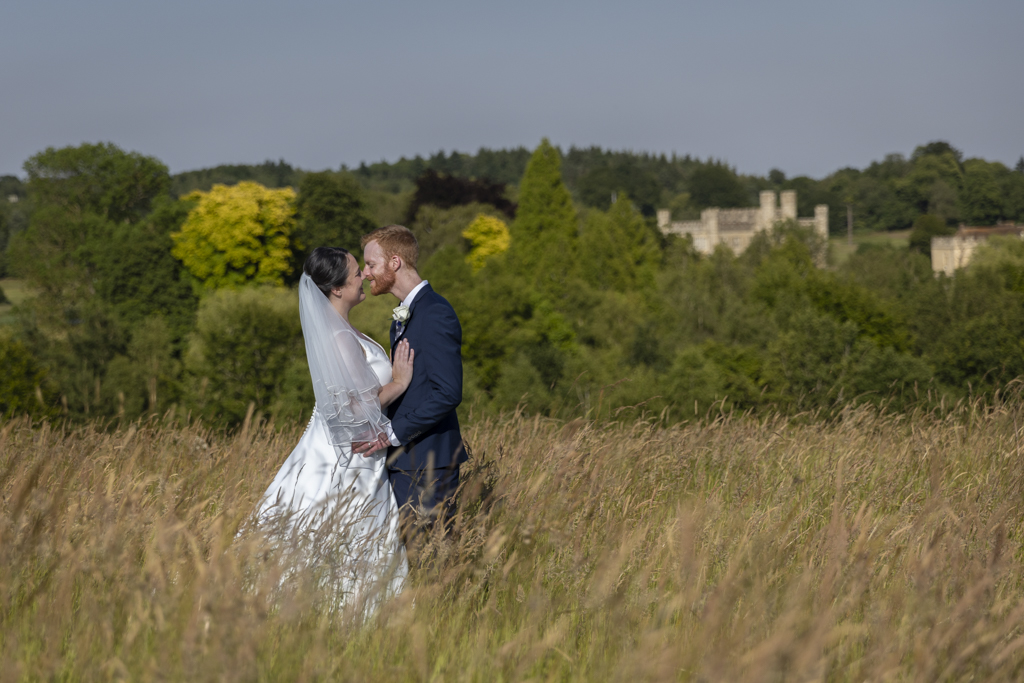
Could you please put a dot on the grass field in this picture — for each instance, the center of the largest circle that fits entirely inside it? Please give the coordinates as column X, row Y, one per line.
column 841, row 248
column 869, row 548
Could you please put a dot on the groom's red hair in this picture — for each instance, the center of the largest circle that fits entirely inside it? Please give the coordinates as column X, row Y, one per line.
column 395, row 240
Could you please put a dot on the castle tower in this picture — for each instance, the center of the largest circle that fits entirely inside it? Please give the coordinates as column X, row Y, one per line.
column 768, row 210
column 709, row 217
column 664, row 218
column 788, row 205
column 821, row 220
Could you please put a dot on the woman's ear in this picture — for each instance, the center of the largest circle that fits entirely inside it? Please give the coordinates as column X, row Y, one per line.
column 336, row 291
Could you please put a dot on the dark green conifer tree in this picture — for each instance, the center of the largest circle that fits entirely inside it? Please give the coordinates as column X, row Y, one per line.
column 619, row 251
column 544, row 232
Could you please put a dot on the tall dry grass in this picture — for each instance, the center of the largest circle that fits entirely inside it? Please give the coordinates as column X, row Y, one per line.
column 868, row 548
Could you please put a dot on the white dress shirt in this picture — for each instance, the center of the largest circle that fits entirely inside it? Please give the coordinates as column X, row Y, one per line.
column 407, row 301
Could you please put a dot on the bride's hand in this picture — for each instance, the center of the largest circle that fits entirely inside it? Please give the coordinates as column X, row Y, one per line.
column 401, row 364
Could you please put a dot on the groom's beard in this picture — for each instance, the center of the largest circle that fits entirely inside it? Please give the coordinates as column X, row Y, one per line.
column 382, row 284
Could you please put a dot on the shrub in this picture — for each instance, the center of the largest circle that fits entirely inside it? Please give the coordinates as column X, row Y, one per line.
column 21, row 380
column 245, row 344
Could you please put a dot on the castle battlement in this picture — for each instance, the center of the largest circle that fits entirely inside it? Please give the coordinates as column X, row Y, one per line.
column 736, row 227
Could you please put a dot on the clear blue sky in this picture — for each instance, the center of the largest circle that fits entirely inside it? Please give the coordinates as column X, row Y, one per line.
column 805, row 86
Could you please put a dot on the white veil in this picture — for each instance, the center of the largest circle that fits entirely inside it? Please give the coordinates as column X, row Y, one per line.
column 345, row 386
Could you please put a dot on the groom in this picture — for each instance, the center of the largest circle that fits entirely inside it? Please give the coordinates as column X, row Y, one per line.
column 425, row 449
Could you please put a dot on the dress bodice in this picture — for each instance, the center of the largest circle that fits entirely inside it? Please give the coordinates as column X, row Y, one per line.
column 378, row 359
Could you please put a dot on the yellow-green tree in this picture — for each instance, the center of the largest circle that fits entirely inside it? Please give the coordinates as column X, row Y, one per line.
column 489, row 236
column 237, row 235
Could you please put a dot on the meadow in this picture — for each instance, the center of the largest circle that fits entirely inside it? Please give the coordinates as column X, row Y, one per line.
column 842, row 249
column 729, row 548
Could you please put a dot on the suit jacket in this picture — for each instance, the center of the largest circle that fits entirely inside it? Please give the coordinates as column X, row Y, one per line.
column 424, row 416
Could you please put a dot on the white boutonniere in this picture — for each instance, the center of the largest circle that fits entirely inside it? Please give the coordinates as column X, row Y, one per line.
column 401, row 314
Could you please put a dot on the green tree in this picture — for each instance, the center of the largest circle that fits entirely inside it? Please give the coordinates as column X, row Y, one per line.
column 1012, row 190
column 5, row 235
column 11, row 185
column 503, row 317
column 446, row 191
column 821, row 362
column 514, row 309
column 438, row 229
column 927, row 226
column 874, row 193
column 98, row 250
column 937, row 148
column 932, row 184
column 1003, row 255
column 618, row 249
column 139, row 277
column 146, row 379
column 14, row 212
column 876, row 204
column 620, row 176
column 545, row 228
column 237, row 235
column 891, row 272
column 682, row 208
column 75, row 340
column 330, row 211
column 247, row 342
column 79, row 196
column 269, row 174
column 980, row 346
column 715, row 184
column 981, row 199
column 21, row 383
column 789, row 284
column 521, row 384
column 56, row 254
column 97, row 178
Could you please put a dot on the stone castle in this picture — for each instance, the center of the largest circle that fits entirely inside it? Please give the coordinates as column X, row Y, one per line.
column 951, row 253
column 736, row 227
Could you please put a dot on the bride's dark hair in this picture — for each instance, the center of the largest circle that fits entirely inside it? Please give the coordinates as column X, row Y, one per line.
column 327, row 267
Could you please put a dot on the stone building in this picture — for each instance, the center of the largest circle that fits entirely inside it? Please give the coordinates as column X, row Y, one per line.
column 951, row 253
column 735, row 227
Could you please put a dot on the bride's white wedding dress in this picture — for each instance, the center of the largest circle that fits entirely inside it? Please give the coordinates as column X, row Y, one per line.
column 338, row 508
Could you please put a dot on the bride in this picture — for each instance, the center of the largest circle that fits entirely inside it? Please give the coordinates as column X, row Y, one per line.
column 337, row 508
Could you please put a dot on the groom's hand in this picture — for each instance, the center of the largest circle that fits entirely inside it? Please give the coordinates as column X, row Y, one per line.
column 367, row 447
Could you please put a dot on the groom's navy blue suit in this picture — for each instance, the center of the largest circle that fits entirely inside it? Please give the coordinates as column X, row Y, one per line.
column 424, row 470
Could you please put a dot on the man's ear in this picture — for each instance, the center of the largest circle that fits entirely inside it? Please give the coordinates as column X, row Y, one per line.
column 396, row 263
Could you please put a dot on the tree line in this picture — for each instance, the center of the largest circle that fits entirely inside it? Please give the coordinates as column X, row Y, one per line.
column 162, row 293
column 887, row 195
